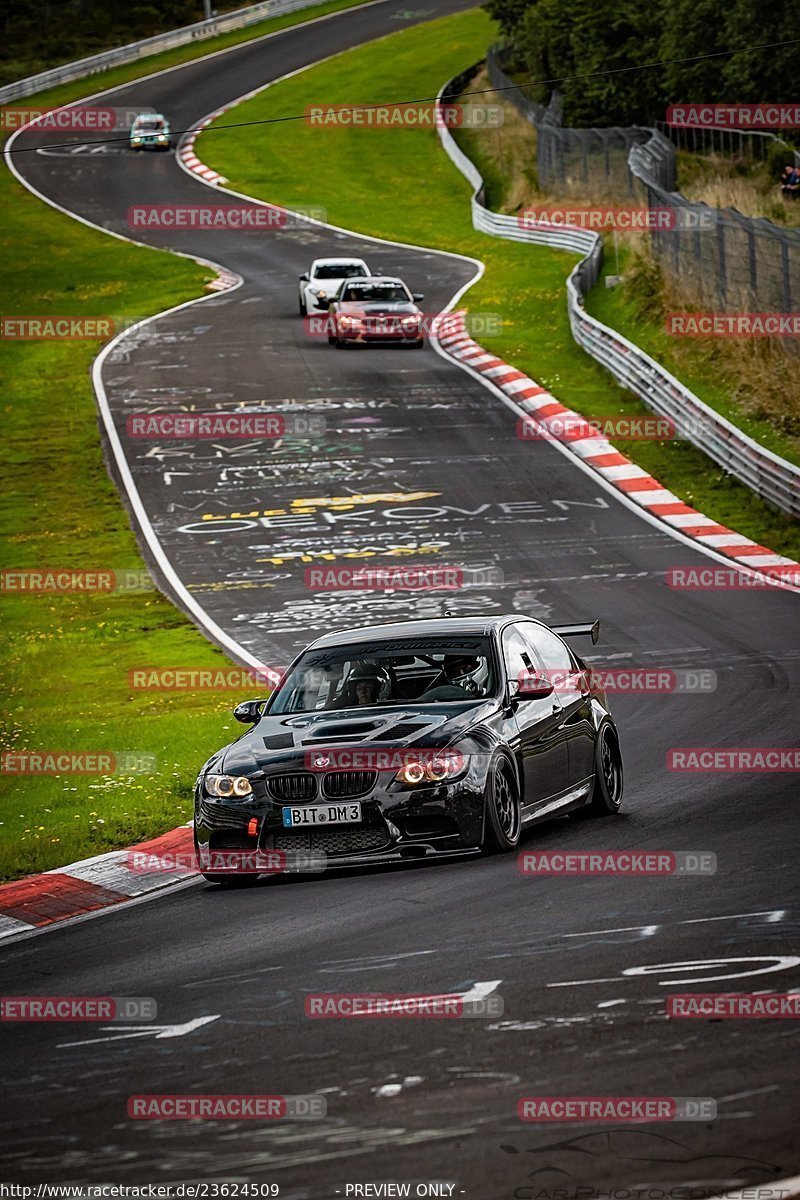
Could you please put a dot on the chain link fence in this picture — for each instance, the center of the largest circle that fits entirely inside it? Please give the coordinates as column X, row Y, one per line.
column 715, row 258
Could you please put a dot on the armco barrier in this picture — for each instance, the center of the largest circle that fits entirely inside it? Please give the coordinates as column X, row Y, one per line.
column 240, row 19
column 771, row 477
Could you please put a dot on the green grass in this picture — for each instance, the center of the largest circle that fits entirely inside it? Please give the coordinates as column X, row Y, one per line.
column 64, row 671
column 66, row 657
column 398, row 184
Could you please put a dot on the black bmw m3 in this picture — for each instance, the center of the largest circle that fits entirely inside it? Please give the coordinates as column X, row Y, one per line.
column 414, row 740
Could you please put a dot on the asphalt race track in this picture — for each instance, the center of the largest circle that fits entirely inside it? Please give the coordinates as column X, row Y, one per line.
column 583, row 965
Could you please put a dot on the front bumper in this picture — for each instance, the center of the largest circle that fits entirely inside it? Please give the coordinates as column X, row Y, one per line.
column 398, row 823
column 390, row 337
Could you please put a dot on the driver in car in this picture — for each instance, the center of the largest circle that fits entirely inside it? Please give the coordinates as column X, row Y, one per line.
column 459, row 680
column 367, row 691
column 363, row 686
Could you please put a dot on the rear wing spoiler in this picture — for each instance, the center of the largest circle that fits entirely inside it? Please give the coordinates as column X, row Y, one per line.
column 592, row 631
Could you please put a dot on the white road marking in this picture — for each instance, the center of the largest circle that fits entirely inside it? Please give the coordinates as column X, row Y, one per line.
column 772, row 917
column 121, row 1032
column 480, row 990
column 645, row 930
column 773, row 1087
column 778, row 963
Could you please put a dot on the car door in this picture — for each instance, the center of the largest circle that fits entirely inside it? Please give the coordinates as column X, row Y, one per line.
column 542, row 743
column 555, row 657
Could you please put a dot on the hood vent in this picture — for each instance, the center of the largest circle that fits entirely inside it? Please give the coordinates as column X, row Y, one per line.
column 403, row 731
column 279, row 741
column 345, row 729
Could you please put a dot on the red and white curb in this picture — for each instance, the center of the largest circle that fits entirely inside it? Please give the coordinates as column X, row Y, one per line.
column 224, row 281
column 597, row 452
column 93, row 884
column 189, row 159
column 190, row 162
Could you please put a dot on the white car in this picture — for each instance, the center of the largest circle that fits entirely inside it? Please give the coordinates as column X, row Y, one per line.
column 150, row 131
column 324, row 278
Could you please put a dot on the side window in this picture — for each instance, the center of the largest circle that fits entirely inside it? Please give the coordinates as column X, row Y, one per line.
column 515, row 650
column 549, row 650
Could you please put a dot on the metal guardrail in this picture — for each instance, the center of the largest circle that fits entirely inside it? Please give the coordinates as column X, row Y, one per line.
column 239, row 19
column 771, row 477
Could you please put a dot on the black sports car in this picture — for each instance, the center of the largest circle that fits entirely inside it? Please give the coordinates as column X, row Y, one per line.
column 415, row 740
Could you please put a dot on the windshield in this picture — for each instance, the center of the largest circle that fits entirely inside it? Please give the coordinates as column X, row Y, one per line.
column 149, row 123
column 429, row 671
column 383, row 293
column 338, row 271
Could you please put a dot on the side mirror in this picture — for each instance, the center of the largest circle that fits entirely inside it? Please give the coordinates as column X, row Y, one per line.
column 248, row 712
column 531, row 687
column 323, row 303
column 417, row 296
column 304, row 278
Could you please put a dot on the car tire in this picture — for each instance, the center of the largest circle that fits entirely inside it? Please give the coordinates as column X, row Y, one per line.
column 502, row 823
column 331, row 340
column 340, row 343
column 608, row 773
column 417, row 345
column 303, row 308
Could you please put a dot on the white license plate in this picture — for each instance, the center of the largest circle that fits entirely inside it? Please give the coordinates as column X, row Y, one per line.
column 321, row 814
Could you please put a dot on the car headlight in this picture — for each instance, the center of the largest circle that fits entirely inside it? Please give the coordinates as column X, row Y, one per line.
column 410, row 322
column 162, row 137
column 227, row 786
column 446, row 765
column 350, row 323
column 136, row 139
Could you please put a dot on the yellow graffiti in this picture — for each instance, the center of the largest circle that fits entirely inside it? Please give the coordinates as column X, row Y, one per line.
column 278, row 560
column 308, row 506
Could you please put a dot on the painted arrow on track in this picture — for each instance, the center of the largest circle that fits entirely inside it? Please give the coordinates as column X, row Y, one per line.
column 120, row 1032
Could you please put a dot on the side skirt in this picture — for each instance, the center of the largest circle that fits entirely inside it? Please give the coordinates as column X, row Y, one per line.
column 573, row 797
